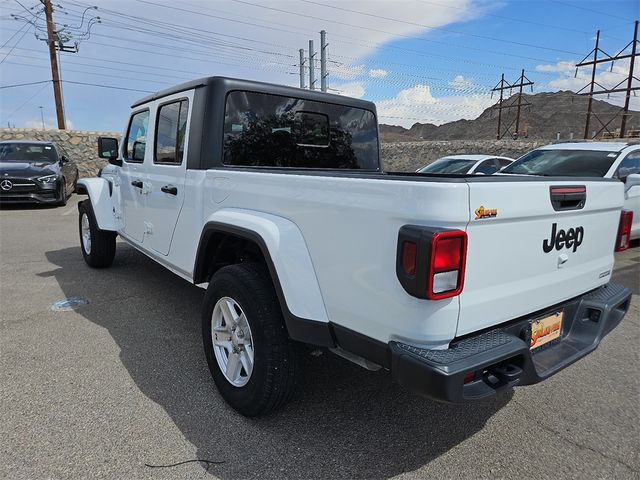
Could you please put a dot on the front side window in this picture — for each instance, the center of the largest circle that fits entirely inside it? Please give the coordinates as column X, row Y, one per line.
column 136, row 143
column 631, row 164
column 170, row 132
column 276, row 131
column 570, row 163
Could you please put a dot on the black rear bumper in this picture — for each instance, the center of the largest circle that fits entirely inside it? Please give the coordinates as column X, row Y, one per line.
column 479, row 366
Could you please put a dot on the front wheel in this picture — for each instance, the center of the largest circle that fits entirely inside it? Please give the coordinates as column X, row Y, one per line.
column 253, row 361
column 98, row 246
column 63, row 193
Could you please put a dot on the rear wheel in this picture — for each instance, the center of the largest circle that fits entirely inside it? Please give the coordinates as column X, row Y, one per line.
column 98, row 246
column 253, row 361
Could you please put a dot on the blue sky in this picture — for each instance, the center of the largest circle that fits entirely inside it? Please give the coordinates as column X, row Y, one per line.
column 419, row 60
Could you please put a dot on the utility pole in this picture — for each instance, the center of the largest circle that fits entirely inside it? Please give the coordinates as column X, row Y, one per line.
column 521, row 83
column 312, row 72
column 625, row 113
column 323, row 60
column 501, row 89
column 591, row 85
column 628, row 89
column 55, row 74
column 41, row 116
column 301, row 52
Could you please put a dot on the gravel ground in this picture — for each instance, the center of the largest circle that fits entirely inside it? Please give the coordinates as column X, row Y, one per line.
column 122, row 383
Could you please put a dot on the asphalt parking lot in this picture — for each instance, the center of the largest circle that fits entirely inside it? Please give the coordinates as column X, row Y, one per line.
column 122, row 383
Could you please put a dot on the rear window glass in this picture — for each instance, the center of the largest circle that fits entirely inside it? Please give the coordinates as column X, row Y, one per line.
column 275, row 131
column 449, row 165
column 570, row 163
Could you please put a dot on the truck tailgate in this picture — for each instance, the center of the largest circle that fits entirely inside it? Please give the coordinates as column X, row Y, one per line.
column 524, row 255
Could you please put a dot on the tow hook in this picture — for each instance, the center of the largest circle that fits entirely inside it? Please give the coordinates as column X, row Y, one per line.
column 505, row 372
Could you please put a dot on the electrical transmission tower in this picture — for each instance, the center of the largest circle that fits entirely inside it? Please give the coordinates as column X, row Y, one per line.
column 58, row 38
column 618, row 88
column 517, row 102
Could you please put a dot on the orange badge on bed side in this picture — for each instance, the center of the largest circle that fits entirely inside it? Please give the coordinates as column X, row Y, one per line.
column 482, row 212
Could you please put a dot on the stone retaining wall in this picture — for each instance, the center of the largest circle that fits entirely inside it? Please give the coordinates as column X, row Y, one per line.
column 402, row 156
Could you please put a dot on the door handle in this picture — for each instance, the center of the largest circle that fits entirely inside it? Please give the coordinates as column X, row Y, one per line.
column 170, row 189
column 137, row 183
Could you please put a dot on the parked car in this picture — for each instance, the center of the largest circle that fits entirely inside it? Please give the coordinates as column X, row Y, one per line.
column 478, row 164
column 32, row 171
column 273, row 199
column 589, row 159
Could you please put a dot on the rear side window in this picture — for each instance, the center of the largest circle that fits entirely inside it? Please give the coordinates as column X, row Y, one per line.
column 136, row 143
column 170, row 131
column 487, row 167
column 275, row 131
column 571, row 163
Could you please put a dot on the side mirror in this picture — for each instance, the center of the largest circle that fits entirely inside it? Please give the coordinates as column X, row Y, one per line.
column 631, row 181
column 108, row 148
column 64, row 160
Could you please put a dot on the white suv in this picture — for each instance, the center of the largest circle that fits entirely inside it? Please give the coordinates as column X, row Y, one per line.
column 589, row 159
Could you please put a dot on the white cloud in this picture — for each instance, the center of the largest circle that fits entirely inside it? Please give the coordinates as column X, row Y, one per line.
column 378, row 73
column 353, row 89
column 606, row 77
column 461, row 83
column 417, row 104
column 345, row 72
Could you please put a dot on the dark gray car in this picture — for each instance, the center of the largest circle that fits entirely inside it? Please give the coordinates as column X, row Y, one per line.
column 39, row 172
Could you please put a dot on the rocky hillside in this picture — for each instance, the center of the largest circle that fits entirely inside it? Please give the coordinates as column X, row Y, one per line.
column 548, row 114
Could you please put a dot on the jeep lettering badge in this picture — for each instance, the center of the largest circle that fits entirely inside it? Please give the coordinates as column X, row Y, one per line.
column 561, row 239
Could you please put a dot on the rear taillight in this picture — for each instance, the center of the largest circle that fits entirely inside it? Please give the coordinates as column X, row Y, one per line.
column 446, row 272
column 409, row 252
column 624, row 230
column 431, row 261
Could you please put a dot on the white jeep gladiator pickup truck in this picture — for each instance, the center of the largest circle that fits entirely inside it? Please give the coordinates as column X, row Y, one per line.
column 273, row 199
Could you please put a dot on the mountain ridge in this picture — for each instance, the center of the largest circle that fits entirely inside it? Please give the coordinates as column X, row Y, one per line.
column 548, row 114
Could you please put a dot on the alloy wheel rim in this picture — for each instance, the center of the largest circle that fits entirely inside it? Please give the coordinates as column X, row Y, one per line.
column 232, row 341
column 86, row 234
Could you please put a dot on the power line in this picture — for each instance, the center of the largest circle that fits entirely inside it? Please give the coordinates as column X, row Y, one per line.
column 23, row 84
column 580, row 7
column 430, row 27
column 27, row 101
column 448, row 44
column 14, row 46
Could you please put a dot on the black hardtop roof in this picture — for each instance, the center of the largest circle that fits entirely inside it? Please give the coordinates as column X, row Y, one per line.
column 227, row 84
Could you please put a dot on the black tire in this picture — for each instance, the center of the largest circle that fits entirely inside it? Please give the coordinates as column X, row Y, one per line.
column 63, row 193
column 276, row 367
column 102, row 246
